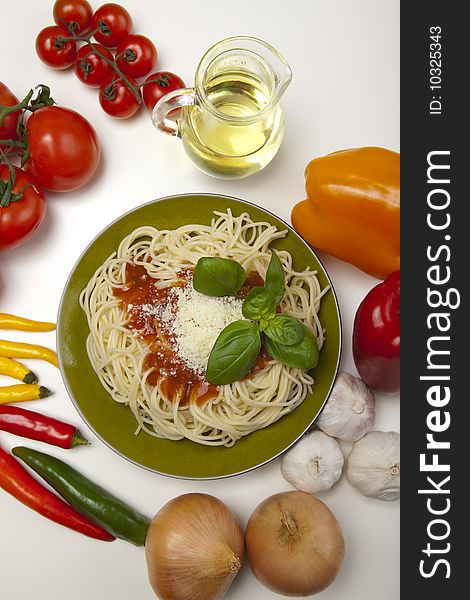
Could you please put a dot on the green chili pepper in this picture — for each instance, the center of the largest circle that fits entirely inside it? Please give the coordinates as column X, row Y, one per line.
column 88, row 498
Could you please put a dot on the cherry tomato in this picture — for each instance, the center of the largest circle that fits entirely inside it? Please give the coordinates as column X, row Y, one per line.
column 54, row 52
column 73, row 15
column 116, row 24
column 19, row 218
column 90, row 68
column 136, row 55
column 117, row 99
column 158, row 84
column 64, row 148
column 8, row 125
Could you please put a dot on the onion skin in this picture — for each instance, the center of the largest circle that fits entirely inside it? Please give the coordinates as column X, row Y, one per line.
column 194, row 549
column 294, row 543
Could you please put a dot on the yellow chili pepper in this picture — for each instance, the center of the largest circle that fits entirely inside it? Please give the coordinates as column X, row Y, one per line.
column 20, row 350
column 22, row 392
column 13, row 322
column 353, row 208
column 15, row 369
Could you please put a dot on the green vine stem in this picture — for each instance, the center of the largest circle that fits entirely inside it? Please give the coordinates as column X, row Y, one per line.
column 87, row 39
column 42, row 99
column 35, row 99
column 12, row 144
column 7, row 195
column 6, row 187
column 6, row 110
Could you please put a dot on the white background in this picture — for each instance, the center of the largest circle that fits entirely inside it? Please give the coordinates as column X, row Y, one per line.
column 345, row 58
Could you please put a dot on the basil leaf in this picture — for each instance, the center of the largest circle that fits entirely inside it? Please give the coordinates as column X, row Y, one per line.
column 275, row 277
column 259, row 303
column 285, row 330
column 263, row 323
column 216, row 276
column 234, row 353
column 301, row 356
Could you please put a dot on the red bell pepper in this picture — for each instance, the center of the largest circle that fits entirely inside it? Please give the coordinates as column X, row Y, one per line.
column 15, row 480
column 376, row 336
column 35, row 426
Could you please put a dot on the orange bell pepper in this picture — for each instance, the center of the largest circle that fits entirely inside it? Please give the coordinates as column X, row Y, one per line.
column 353, row 208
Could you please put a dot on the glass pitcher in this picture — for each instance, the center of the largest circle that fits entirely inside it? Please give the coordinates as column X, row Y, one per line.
column 231, row 122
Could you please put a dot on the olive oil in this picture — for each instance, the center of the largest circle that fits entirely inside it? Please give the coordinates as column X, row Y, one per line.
column 233, row 131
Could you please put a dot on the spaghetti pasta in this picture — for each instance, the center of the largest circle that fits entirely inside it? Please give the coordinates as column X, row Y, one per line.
column 119, row 352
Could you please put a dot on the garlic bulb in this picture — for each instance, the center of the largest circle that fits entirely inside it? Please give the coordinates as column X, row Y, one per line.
column 374, row 465
column 314, row 464
column 350, row 410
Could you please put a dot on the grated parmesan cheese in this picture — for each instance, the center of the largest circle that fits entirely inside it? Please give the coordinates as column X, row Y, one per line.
column 196, row 321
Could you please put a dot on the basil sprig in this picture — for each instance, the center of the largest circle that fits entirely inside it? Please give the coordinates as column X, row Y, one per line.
column 236, row 349
column 216, row 276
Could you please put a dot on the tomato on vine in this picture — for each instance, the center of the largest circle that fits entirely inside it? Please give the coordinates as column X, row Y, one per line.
column 90, row 67
column 53, row 50
column 113, row 72
column 8, row 125
column 117, row 99
column 22, row 206
column 64, row 150
column 158, row 84
column 136, row 55
column 74, row 15
column 114, row 24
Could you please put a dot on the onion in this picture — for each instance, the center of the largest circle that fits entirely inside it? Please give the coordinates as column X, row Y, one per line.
column 194, row 549
column 295, row 545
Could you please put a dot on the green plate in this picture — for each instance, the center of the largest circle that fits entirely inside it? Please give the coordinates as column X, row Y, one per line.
column 114, row 423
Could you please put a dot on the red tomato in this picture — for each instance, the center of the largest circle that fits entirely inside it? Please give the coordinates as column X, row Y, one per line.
column 116, row 24
column 136, row 55
column 158, row 84
column 74, row 15
column 376, row 336
column 90, row 68
column 52, row 51
column 9, row 123
column 20, row 218
column 64, row 148
column 117, row 99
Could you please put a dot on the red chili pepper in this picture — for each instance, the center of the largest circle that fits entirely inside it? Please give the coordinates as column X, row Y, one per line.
column 35, row 426
column 376, row 336
column 15, row 480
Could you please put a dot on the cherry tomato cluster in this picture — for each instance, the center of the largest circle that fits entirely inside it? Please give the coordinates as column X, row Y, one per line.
column 116, row 75
column 54, row 148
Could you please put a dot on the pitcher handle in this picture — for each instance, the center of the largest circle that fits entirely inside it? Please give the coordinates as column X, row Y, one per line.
column 167, row 104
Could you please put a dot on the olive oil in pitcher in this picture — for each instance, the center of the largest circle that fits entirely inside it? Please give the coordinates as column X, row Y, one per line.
column 231, row 138
column 231, row 122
